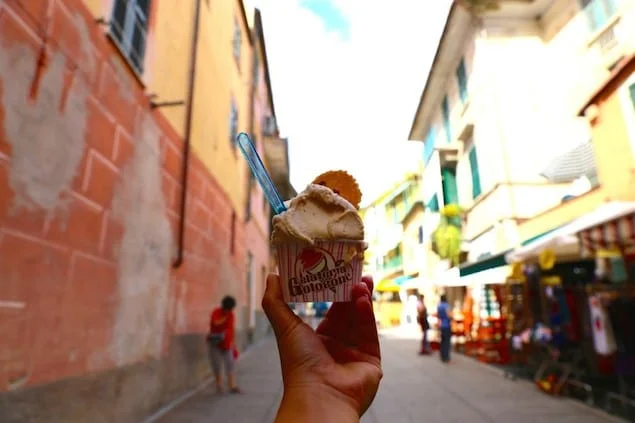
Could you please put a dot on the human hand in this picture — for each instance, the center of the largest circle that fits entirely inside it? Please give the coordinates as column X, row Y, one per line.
column 334, row 370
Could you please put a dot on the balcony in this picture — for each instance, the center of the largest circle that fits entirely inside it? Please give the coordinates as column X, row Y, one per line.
column 607, row 39
column 393, row 264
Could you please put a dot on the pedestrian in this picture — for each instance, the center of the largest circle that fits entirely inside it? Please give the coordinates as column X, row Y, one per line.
column 332, row 373
column 445, row 324
column 422, row 319
column 222, row 351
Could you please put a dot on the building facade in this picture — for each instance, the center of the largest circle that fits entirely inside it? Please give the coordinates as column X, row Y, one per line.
column 500, row 105
column 123, row 200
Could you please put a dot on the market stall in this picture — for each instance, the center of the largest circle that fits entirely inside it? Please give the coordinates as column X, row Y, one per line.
column 580, row 313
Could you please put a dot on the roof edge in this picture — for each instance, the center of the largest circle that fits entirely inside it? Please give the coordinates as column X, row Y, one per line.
column 435, row 60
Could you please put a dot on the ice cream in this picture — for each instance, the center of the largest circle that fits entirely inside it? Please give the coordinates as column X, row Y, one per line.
column 317, row 213
column 319, row 240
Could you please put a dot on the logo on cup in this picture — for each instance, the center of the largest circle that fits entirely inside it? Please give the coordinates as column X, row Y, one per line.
column 316, row 269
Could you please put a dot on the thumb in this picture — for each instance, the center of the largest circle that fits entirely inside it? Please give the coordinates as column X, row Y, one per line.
column 280, row 316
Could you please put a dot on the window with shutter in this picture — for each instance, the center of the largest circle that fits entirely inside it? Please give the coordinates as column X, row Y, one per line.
column 237, row 41
column 461, row 76
column 233, row 123
column 476, row 177
column 129, row 28
column 428, row 146
column 445, row 106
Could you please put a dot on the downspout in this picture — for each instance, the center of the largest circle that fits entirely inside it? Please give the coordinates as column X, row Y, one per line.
column 187, row 133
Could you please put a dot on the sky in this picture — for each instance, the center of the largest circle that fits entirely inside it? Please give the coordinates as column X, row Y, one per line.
column 347, row 76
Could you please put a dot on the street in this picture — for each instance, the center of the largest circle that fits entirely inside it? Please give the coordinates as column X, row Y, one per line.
column 414, row 389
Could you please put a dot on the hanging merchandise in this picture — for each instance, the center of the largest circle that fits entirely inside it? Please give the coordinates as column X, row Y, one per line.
column 603, row 338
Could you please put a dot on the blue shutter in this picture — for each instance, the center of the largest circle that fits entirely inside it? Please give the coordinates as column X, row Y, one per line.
column 428, row 146
column 433, row 204
column 461, row 76
column 476, row 177
column 445, row 106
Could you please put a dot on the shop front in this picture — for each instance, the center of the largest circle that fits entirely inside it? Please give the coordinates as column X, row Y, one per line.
column 578, row 311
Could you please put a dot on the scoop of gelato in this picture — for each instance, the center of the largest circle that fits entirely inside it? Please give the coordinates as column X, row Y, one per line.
column 317, row 213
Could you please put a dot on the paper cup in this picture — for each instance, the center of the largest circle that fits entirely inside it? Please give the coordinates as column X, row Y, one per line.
column 325, row 271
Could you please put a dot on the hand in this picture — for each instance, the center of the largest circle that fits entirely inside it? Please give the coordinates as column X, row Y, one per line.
column 336, row 369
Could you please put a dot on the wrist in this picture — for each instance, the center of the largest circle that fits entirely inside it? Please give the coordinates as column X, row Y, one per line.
column 316, row 403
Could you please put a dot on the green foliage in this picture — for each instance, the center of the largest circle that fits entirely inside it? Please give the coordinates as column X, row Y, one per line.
column 446, row 239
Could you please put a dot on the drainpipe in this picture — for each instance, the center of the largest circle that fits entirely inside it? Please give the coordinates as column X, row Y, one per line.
column 178, row 261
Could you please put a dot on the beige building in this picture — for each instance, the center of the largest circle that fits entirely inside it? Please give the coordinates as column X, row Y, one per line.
column 498, row 117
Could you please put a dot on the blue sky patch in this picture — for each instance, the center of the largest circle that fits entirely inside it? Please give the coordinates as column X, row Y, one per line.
column 333, row 18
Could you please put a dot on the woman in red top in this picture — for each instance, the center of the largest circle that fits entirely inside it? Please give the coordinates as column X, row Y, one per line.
column 221, row 343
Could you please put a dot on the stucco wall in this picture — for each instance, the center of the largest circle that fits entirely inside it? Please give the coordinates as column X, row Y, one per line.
column 90, row 307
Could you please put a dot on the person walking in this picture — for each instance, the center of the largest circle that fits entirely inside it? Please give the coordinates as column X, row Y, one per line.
column 445, row 324
column 422, row 319
column 222, row 349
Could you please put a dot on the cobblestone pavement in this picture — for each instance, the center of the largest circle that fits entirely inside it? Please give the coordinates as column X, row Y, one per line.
column 414, row 389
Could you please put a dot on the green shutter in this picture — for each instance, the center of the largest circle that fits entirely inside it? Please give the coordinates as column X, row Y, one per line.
column 461, row 76
column 476, row 178
column 448, row 181
column 445, row 106
column 632, row 91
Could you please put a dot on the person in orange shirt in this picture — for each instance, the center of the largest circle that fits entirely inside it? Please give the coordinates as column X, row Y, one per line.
column 221, row 344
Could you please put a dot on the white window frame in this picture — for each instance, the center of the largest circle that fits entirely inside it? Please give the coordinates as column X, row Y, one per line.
column 134, row 15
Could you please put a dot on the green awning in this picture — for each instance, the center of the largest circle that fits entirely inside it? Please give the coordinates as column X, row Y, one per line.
column 533, row 238
column 488, row 263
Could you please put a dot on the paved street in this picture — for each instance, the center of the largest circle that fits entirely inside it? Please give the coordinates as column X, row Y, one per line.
column 414, row 389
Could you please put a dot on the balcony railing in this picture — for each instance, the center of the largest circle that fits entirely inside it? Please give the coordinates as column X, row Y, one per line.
column 393, row 263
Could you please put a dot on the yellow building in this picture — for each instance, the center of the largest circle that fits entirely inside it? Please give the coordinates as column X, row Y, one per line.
column 392, row 229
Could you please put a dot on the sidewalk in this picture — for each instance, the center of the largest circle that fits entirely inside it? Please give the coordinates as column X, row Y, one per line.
column 414, row 389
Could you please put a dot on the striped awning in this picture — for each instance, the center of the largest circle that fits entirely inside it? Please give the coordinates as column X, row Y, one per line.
column 607, row 235
column 585, row 234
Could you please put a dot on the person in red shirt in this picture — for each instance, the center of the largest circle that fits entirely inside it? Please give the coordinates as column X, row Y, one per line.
column 221, row 343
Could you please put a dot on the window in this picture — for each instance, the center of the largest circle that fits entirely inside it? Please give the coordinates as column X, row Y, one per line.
column 445, row 108
column 461, row 76
column 250, row 188
column 433, row 204
column 233, row 123
column 428, row 146
column 476, row 178
column 631, row 90
column 598, row 12
column 237, row 42
column 232, row 234
column 420, row 236
column 129, row 28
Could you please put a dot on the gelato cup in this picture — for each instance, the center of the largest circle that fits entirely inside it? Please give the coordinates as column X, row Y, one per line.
column 322, row 271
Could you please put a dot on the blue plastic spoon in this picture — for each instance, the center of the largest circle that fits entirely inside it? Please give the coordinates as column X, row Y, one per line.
column 258, row 169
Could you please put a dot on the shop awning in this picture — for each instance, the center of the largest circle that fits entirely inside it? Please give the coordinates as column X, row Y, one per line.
column 612, row 232
column 402, row 279
column 484, row 264
column 606, row 225
column 387, row 285
column 495, row 275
